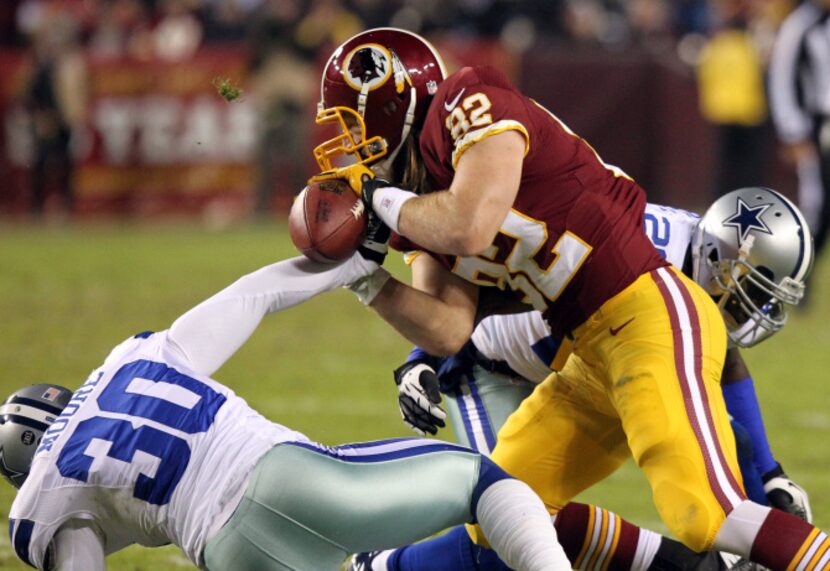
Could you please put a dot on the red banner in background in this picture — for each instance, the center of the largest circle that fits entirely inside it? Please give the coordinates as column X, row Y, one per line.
column 158, row 136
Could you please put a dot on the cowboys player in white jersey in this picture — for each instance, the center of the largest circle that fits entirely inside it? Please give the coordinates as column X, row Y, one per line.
column 151, row 450
column 753, row 264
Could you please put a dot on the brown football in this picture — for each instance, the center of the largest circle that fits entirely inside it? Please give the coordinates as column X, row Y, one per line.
column 327, row 221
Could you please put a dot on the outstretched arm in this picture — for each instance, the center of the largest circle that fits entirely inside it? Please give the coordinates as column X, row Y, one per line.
column 207, row 335
column 436, row 313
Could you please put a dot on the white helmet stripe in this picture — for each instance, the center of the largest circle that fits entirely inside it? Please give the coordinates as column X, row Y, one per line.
column 36, row 414
column 806, row 259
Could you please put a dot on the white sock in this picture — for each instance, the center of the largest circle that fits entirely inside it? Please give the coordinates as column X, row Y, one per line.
column 648, row 543
column 739, row 530
column 519, row 528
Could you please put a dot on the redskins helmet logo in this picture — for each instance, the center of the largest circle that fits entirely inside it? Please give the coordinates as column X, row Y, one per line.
column 369, row 65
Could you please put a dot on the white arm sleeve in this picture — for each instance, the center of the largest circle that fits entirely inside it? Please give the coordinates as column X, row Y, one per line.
column 207, row 335
column 78, row 547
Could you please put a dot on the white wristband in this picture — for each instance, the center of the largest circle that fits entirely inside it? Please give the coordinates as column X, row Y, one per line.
column 387, row 203
column 368, row 287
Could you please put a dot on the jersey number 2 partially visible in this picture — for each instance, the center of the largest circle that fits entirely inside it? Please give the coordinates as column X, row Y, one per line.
column 151, row 391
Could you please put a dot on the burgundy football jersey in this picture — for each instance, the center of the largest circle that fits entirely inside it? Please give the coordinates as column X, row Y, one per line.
column 574, row 236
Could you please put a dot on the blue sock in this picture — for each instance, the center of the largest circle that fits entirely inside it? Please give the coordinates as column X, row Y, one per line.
column 453, row 551
column 444, row 553
column 742, row 404
column 752, row 479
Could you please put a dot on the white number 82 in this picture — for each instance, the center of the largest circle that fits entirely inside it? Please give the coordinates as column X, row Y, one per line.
column 520, row 270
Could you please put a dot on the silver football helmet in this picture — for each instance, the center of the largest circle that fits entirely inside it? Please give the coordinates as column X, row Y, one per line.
column 752, row 251
column 24, row 417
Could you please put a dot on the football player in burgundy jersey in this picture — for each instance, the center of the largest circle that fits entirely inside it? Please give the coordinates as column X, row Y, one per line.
column 509, row 354
column 508, row 199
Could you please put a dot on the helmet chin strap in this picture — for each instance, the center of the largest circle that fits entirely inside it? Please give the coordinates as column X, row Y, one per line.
column 384, row 168
column 361, row 99
column 743, row 255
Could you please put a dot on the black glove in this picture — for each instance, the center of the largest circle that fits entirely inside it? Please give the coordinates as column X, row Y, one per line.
column 419, row 397
column 376, row 243
column 786, row 495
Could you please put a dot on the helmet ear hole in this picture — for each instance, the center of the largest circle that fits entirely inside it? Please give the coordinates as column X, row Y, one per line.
column 766, row 272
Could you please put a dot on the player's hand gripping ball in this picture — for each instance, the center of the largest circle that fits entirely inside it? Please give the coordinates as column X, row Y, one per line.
column 327, row 221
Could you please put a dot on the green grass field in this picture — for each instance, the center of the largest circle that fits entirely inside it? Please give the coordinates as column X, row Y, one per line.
column 68, row 295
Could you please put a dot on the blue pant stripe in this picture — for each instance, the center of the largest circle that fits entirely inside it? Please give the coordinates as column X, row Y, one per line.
column 21, row 537
column 377, row 443
column 381, row 451
column 475, row 419
column 465, row 417
column 484, row 419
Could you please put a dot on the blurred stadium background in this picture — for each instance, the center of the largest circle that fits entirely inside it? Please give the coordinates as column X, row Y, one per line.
column 129, row 190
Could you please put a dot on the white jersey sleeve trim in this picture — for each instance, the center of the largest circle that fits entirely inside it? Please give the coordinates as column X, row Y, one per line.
column 472, row 137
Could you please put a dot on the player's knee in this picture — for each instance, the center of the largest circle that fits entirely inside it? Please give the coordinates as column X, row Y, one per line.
column 694, row 540
column 488, row 474
column 695, row 521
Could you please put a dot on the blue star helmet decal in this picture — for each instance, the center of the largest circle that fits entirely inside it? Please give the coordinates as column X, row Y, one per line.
column 748, row 218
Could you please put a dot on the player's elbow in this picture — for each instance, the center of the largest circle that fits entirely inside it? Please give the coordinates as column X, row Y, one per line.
column 445, row 345
column 471, row 239
column 448, row 337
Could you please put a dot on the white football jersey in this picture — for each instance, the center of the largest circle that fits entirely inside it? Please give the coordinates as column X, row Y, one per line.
column 524, row 341
column 150, row 451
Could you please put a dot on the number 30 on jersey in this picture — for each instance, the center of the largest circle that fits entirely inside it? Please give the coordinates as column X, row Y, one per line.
column 518, row 258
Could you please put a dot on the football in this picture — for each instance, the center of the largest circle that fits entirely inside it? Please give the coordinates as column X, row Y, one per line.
column 327, row 221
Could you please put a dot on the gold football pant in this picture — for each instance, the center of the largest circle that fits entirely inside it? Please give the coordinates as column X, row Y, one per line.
column 644, row 380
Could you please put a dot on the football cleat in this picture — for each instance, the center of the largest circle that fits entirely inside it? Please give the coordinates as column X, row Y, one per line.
column 363, row 561
column 738, row 563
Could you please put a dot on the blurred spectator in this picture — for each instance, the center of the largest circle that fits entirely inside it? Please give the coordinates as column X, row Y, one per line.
column 56, row 99
column 585, row 21
column 123, row 27
column 327, row 24
column 731, row 89
column 800, row 102
column 227, row 20
column 650, row 23
column 282, row 84
column 8, row 29
column 178, row 33
column 373, row 13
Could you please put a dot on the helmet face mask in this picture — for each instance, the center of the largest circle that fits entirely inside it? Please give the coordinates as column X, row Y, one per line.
column 350, row 142
column 752, row 251
column 376, row 88
column 752, row 306
column 24, row 418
